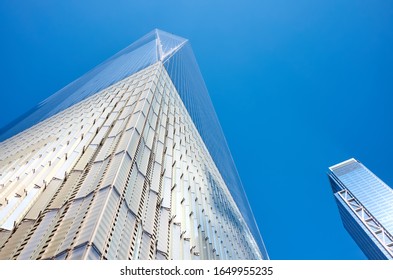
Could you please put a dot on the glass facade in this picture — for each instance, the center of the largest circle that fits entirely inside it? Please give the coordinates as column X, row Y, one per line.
column 127, row 162
column 366, row 207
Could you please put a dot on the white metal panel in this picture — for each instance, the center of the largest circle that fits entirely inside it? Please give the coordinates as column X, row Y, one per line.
column 150, row 213
column 163, row 231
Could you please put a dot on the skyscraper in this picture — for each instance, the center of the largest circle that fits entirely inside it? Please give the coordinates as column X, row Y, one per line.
column 127, row 162
column 366, row 207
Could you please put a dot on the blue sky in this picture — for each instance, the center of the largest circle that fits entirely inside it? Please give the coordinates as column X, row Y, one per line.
column 297, row 85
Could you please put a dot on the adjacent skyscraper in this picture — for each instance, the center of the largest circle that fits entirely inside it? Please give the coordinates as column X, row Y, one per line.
column 127, row 162
column 366, row 207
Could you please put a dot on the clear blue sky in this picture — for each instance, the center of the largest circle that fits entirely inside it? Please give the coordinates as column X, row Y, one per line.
column 298, row 86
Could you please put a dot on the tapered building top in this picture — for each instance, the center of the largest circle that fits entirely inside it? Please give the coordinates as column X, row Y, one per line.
column 155, row 46
column 176, row 56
